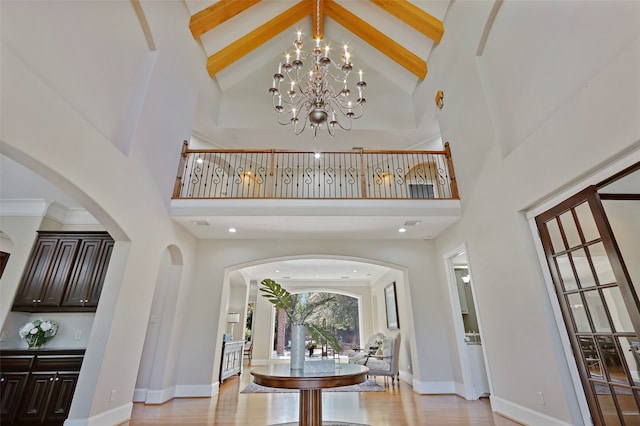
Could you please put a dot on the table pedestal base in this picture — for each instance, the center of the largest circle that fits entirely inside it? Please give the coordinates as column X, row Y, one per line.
column 310, row 407
column 329, row 423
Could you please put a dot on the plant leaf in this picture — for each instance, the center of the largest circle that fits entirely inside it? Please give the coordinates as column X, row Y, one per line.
column 278, row 296
column 321, row 334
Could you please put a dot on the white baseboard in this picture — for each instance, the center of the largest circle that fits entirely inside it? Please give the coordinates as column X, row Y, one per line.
column 522, row 414
column 406, row 377
column 111, row 417
column 140, row 395
column 160, row 396
column 196, row 391
column 426, row 388
column 460, row 389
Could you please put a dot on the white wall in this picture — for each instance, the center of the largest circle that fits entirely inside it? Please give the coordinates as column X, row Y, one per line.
column 580, row 111
column 52, row 117
column 425, row 295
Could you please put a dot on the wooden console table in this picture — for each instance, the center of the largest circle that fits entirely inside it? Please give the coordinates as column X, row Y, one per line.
column 310, row 385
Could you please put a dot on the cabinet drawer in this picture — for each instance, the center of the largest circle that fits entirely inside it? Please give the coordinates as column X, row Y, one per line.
column 16, row 363
column 57, row 363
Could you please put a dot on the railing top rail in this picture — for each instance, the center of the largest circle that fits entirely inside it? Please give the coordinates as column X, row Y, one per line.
column 285, row 151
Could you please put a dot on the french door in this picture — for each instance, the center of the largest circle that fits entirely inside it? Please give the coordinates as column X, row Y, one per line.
column 599, row 305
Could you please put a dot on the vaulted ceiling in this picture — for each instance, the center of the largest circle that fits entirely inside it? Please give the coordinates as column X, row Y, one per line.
column 224, row 10
column 390, row 40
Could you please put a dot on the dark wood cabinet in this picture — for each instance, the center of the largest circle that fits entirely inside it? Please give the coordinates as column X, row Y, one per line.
column 86, row 280
column 37, row 388
column 65, row 272
column 11, row 388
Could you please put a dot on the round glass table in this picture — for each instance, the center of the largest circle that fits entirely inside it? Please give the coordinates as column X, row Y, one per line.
column 309, row 384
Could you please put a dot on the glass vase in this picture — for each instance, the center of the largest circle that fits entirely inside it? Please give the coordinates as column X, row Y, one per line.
column 35, row 342
column 297, row 347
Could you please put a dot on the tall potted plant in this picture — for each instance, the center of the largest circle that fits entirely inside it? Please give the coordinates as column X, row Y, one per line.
column 297, row 315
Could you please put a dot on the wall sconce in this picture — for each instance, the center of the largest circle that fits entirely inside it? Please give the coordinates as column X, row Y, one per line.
column 233, row 318
column 439, row 99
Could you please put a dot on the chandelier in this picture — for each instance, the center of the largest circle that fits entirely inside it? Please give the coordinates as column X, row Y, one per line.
column 319, row 96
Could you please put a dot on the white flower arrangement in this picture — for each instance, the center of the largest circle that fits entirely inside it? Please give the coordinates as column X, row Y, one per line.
column 37, row 332
column 379, row 342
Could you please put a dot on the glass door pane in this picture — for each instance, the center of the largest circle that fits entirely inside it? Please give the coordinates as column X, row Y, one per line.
column 598, row 303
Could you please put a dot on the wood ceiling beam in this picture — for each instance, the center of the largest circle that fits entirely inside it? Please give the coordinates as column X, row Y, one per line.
column 413, row 16
column 384, row 44
column 216, row 14
column 257, row 37
column 318, row 20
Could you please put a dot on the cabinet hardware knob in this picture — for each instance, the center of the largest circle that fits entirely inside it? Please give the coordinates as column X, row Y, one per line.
column 57, row 378
column 39, row 300
column 2, row 379
column 34, row 301
column 51, row 379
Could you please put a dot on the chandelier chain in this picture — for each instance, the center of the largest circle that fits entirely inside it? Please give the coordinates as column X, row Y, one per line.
column 318, row 19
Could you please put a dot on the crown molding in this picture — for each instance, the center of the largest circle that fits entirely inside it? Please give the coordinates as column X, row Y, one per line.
column 23, row 208
column 42, row 208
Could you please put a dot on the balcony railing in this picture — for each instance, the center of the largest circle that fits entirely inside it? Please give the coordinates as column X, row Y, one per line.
column 358, row 174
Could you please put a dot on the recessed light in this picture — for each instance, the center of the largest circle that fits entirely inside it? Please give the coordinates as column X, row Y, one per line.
column 402, row 230
column 355, row 270
column 232, row 230
column 277, row 270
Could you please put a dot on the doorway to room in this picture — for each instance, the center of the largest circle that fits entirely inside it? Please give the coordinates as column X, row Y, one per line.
column 590, row 242
column 466, row 320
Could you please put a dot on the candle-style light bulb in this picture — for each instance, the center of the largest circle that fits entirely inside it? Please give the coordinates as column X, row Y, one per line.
column 299, row 35
column 360, row 75
column 297, row 54
column 288, row 57
column 326, row 51
column 279, row 67
column 318, row 42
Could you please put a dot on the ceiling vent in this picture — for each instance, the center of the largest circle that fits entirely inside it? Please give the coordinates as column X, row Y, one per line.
column 200, row 222
column 412, row 222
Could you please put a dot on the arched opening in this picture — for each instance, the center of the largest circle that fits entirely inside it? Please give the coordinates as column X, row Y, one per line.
column 158, row 364
column 360, row 278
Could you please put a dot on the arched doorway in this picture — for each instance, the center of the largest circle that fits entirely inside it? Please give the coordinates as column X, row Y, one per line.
column 156, row 375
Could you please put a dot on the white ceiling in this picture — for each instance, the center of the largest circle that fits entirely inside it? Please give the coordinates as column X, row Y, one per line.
column 316, row 270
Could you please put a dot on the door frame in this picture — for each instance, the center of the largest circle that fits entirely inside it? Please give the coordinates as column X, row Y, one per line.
column 580, row 408
column 469, row 389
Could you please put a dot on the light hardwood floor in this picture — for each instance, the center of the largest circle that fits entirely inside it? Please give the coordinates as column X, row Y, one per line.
column 396, row 406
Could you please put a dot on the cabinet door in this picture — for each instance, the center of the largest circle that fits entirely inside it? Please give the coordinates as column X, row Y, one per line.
column 31, row 285
column 11, row 390
column 35, row 398
column 56, row 280
column 87, row 277
column 82, row 272
column 61, row 396
column 99, row 272
column 47, row 273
